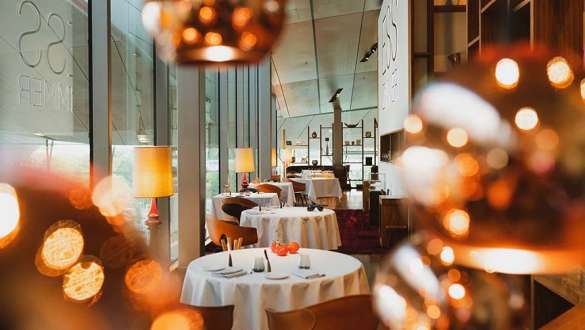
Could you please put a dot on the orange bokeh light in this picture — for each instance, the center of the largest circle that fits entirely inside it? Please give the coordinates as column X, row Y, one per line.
column 456, row 222
column 144, row 276
column 10, row 219
column 62, row 246
column 112, row 196
column 241, row 17
column 247, row 41
column 191, row 35
column 84, row 281
column 213, row 38
column 466, row 164
column 181, row 319
column 206, row 14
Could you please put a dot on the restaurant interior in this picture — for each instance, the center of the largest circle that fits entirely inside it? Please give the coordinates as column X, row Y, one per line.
column 292, row 164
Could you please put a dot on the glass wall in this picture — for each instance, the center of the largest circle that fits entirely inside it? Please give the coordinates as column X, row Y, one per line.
column 174, row 140
column 44, row 86
column 132, row 90
column 212, row 136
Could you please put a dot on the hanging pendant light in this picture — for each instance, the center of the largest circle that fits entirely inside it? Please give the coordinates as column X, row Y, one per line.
column 214, row 31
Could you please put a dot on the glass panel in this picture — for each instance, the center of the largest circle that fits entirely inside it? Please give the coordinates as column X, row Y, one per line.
column 174, row 122
column 232, row 127
column 132, row 91
column 44, row 103
column 212, row 136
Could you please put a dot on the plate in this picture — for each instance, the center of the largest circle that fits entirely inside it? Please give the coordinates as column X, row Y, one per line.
column 276, row 276
column 213, row 268
column 229, row 270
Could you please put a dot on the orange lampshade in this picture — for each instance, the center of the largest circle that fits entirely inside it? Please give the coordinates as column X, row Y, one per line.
column 153, row 176
column 244, row 160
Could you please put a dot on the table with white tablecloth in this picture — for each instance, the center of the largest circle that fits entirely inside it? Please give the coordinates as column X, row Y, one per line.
column 262, row 199
column 287, row 193
column 253, row 293
column 311, row 229
column 321, row 187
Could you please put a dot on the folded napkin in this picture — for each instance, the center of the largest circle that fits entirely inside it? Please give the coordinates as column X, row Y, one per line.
column 229, row 270
column 307, row 274
column 236, row 274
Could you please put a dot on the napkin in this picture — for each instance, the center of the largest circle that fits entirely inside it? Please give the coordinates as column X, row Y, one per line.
column 229, row 270
column 236, row 274
column 307, row 274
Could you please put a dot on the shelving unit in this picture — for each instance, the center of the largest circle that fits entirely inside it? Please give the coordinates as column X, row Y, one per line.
column 360, row 150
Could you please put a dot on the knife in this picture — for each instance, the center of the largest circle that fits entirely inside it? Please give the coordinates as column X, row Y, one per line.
column 268, row 268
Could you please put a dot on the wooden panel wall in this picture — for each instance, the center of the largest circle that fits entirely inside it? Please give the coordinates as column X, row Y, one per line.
column 559, row 24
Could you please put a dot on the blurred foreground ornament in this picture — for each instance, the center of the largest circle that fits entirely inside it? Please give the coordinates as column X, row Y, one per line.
column 416, row 289
column 214, row 31
column 499, row 175
column 61, row 248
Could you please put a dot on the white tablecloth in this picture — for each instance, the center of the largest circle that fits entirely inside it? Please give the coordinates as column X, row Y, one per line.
column 262, row 199
column 253, row 293
column 315, row 229
column 287, row 193
column 321, row 187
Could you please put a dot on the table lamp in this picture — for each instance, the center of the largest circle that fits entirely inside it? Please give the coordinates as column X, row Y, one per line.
column 244, row 163
column 153, row 177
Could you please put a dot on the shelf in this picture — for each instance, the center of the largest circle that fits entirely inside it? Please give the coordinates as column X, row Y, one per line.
column 450, row 9
column 300, row 145
column 473, row 42
column 352, row 162
column 487, row 6
column 358, row 127
column 521, row 5
column 369, row 137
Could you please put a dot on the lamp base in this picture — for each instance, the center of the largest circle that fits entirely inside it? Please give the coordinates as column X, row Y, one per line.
column 244, row 182
column 152, row 218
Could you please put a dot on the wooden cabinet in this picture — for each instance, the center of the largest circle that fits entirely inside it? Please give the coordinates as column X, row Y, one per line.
column 394, row 224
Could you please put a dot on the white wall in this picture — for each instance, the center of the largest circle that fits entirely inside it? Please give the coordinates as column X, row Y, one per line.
column 393, row 77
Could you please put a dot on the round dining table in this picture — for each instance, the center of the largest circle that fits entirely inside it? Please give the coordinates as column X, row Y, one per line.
column 317, row 188
column 252, row 293
column 262, row 199
column 311, row 229
column 287, row 193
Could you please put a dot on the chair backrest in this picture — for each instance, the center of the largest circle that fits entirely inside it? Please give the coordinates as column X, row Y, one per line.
column 235, row 205
column 351, row 312
column 216, row 318
column 269, row 188
column 297, row 186
column 219, row 229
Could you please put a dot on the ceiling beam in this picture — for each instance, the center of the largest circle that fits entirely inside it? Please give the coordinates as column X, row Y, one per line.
column 316, row 54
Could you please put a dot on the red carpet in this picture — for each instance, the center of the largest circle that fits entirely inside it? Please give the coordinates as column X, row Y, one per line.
column 357, row 235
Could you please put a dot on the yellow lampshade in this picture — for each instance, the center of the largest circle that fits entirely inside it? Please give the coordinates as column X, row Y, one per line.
column 153, row 176
column 244, row 160
column 274, row 163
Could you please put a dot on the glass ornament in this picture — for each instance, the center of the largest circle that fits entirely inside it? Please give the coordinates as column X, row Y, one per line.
column 418, row 287
column 498, row 173
column 214, row 31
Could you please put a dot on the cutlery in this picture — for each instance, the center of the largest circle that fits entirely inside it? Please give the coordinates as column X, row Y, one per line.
column 269, row 267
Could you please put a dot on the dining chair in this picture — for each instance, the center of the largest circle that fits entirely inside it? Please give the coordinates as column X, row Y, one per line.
column 217, row 317
column 347, row 313
column 300, row 193
column 234, row 206
column 270, row 188
column 224, row 232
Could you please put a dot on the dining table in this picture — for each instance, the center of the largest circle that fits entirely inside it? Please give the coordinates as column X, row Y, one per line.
column 287, row 193
column 311, row 229
column 321, row 187
column 210, row 282
column 262, row 199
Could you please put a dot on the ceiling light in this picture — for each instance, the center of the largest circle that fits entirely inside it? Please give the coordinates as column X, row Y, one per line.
column 207, row 32
column 336, row 95
column 369, row 53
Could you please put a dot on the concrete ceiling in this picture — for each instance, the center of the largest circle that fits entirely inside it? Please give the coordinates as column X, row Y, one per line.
column 320, row 51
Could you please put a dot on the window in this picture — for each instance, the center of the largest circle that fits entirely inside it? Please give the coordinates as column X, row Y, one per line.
column 44, row 103
column 132, row 90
